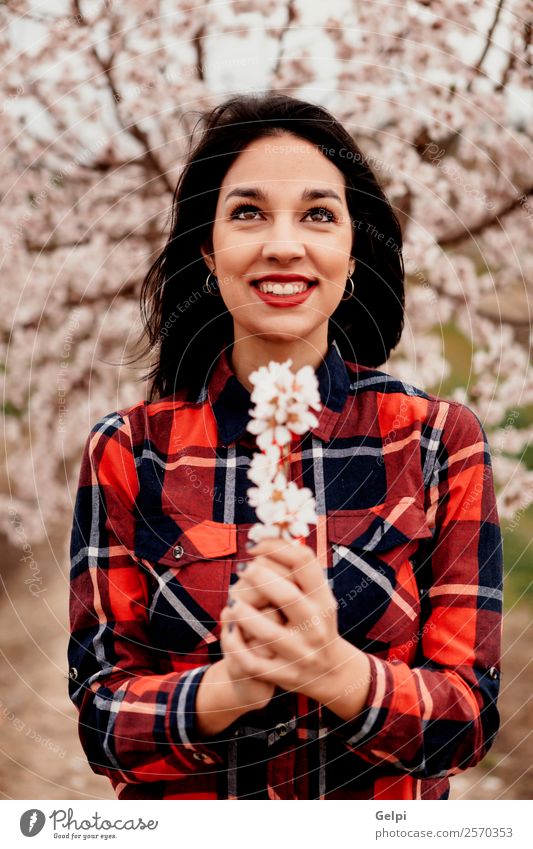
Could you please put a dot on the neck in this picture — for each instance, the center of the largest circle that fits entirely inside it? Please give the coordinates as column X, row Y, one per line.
column 251, row 352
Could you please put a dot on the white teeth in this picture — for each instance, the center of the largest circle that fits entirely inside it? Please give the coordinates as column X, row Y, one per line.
column 283, row 288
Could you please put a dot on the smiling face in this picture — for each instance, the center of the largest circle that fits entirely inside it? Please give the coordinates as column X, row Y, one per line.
column 282, row 210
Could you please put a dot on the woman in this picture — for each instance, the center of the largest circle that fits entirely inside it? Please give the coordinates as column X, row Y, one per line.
column 364, row 664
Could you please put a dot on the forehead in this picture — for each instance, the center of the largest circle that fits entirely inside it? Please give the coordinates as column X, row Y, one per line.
column 282, row 163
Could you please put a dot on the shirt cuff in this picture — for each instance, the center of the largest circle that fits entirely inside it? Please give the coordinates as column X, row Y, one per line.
column 367, row 723
column 188, row 745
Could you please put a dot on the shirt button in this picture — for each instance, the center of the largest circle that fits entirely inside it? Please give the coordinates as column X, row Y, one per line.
column 73, row 673
column 178, row 552
column 282, row 728
column 493, row 673
column 199, row 756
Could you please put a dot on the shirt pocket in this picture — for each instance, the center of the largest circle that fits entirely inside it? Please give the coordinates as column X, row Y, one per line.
column 189, row 560
column 373, row 578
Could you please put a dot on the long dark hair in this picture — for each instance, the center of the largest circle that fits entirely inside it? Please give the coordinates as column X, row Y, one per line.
column 185, row 327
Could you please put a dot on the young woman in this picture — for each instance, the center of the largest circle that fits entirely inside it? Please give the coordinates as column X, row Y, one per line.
column 364, row 664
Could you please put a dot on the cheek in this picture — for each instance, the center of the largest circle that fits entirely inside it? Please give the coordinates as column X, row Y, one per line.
column 225, row 251
column 334, row 258
column 235, row 295
column 234, row 247
column 240, row 304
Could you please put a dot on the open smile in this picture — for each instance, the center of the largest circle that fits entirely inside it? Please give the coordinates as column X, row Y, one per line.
column 283, row 294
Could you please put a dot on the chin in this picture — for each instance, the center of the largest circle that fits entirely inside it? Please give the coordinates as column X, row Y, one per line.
column 277, row 336
column 294, row 334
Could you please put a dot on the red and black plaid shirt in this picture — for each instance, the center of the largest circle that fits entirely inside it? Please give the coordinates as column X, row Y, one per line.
column 409, row 539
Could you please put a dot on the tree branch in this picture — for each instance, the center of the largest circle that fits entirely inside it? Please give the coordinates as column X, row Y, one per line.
column 63, row 130
column 198, row 45
column 526, row 40
column 292, row 16
column 128, row 290
column 149, row 157
column 488, row 43
column 50, row 246
column 463, row 233
column 460, row 301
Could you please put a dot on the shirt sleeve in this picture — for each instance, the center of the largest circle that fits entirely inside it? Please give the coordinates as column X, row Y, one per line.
column 135, row 725
column 440, row 716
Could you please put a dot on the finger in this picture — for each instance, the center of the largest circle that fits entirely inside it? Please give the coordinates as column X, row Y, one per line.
column 250, row 590
column 251, row 642
column 300, row 559
column 242, row 659
column 281, row 569
column 261, row 584
column 248, row 665
column 269, row 634
column 259, row 649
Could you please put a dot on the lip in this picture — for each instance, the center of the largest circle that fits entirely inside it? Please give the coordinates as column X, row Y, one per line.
column 285, row 300
column 284, row 278
column 282, row 300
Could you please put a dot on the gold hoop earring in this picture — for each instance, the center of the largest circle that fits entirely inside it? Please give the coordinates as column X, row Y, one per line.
column 351, row 293
column 206, row 284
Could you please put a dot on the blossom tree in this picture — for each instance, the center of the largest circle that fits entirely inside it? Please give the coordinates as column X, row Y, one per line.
column 99, row 102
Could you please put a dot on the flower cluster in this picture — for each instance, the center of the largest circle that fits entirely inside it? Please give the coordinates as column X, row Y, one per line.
column 283, row 406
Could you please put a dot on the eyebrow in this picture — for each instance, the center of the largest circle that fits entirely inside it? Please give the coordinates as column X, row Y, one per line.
column 259, row 194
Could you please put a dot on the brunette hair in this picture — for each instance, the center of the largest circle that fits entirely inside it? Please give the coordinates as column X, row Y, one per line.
column 184, row 326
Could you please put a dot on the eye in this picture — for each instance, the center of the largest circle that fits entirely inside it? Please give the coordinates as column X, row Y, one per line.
column 323, row 210
column 317, row 210
column 244, row 207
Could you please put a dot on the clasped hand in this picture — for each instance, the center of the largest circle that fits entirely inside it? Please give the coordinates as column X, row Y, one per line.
column 283, row 619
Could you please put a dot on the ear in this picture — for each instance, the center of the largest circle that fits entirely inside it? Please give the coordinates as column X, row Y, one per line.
column 206, row 252
column 352, row 265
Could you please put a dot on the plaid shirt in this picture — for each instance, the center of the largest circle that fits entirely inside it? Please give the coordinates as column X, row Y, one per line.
column 409, row 540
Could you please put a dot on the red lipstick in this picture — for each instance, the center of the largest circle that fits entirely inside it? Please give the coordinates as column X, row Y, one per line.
column 284, row 300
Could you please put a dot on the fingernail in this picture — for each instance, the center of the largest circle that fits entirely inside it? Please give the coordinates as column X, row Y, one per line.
column 231, row 601
column 241, row 566
column 249, row 544
column 230, row 626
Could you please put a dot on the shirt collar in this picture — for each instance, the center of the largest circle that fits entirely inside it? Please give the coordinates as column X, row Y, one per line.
column 230, row 400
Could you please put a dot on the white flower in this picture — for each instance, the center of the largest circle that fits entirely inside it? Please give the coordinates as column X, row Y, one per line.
column 264, row 465
column 299, row 418
column 259, row 532
column 282, row 503
column 305, row 388
column 282, row 400
column 282, row 408
column 269, row 491
column 268, row 432
column 272, row 383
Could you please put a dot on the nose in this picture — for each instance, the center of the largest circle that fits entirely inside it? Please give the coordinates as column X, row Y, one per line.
column 282, row 242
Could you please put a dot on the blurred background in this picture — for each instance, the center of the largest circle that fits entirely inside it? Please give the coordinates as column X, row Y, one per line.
column 98, row 101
